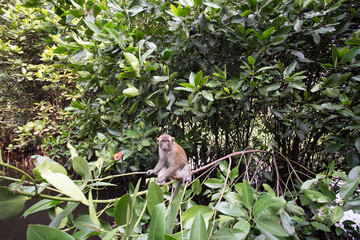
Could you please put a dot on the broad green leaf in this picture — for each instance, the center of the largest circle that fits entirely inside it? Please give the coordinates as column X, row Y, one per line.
column 81, row 167
column 196, row 187
column 198, row 228
column 208, row 95
column 62, row 183
column 298, row 85
column 286, row 222
column 348, row 188
column 131, row 134
column 261, row 203
column 336, row 214
column 92, row 26
column 115, row 35
column 316, row 196
column 123, row 210
column 84, row 223
column 41, row 232
column 214, row 183
column 349, row 55
column 47, row 26
column 10, row 203
column 134, row 62
column 157, row 79
column 157, row 223
column 247, row 194
column 273, row 87
column 320, row 226
column 154, row 196
column 275, row 204
column 226, row 233
column 131, row 92
column 267, row 33
column 198, row 77
column 230, row 209
column 189, row 215
column 48, row 163
column 354, row 173
column 277, row 40
column 244, row 226
column 272, row 225
column 251, row 60
column 44, row 204
column 295, row 209
column 298, row 25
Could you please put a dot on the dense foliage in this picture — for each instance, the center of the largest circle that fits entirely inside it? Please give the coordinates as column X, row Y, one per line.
column 220, row 76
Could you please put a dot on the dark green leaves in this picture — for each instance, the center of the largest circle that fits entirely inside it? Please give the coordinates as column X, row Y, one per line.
column 10, row 204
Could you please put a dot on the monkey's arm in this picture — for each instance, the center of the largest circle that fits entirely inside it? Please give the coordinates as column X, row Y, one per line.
column 157, row 168
column 166, row 174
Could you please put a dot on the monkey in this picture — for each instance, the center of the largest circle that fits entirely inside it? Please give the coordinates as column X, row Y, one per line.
column 172, row 163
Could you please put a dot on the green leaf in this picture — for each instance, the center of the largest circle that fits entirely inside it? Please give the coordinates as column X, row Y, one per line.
column 275, row 204
column 131, row 92
column 286, row 222
column 154, row 196
column 189, row 215
column 272, row 225
column 47, row 26
column 277, row 40
column 157, row 223
column 123, row 210
column 298, row 85
column 92, row 26
column 44, row 204
column 244, row 226
column 10, row 203
column 267, row 33
column 348, row 188
column 230, row 209
column 273, row 87
column 316, row 196
column 198, row 228
column 226, row 233
column 134, row 63
column 251, row 60
column 41, row 232
column 81, row 167
column 214, row 183
column 157, row 79
column 50, row 164
column 349, row 55
column 198, row 77
column 320, row 226
column 336, row 214
column 174, row 208
column 62, row 183
column 261, row 203
column 115, row 35
column 247, row 194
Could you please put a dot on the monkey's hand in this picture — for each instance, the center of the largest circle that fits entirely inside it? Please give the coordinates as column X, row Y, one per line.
column 150, row 172
column 160, row 182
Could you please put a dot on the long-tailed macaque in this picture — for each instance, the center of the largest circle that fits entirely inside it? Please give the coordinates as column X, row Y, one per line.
column 172, row 163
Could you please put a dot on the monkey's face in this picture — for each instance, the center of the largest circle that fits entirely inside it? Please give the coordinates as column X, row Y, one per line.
column 165, row 142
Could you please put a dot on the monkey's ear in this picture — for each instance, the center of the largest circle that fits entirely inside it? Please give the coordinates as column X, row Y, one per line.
column 172, row 140
column 157, row 140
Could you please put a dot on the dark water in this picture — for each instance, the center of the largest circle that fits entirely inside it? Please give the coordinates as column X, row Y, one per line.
column 15, row 228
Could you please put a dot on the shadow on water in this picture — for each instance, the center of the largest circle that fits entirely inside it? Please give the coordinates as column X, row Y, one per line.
column 15, row 228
